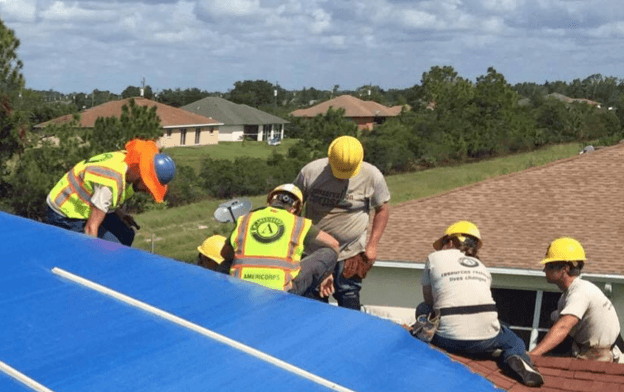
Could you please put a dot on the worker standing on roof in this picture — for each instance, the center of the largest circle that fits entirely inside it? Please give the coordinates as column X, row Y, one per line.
column 340, row 192
column 583, row 311
column 267, row 244
column 88, row 197
column 456, row 289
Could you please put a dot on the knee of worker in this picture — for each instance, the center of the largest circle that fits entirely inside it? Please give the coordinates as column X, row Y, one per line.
column 423, row 308
column 325, row 256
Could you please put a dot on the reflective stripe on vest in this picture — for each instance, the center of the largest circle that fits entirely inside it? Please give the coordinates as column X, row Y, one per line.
column 72, row 194
column 268, row 245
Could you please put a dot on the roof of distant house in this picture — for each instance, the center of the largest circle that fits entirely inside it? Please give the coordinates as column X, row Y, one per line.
column 560, row 374
column 352, row 106
column 230, row 113
column 169, row 115
column 519, row 214
column 563, row 98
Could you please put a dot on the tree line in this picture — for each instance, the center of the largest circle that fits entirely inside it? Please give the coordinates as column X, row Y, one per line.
column 451, row 120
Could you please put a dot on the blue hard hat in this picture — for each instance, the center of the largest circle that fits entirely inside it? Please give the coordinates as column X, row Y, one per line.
column 165, row 168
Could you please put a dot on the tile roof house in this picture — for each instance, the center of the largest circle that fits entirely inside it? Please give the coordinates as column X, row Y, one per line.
column 518, row 215
column 176, row 123
column 364, row 113
column 563, row 98
column 239, row 120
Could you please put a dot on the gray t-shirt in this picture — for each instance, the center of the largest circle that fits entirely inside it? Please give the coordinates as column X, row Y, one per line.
column 342, row 207
column 459, row 280
column 599, row 325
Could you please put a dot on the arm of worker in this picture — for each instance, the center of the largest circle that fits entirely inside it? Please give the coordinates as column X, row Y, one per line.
column 556, row 335
column 95, row 220
column 380, row 220
column 227, row 252
column 428, row 295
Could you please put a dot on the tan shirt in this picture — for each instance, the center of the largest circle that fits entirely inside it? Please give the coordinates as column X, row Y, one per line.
column 342, row 207
column 599, row 325
column 459, row 280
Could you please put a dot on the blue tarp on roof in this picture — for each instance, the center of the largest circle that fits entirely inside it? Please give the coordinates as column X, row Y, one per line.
column 70, row 338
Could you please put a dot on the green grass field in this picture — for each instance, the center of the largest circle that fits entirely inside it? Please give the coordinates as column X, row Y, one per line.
column 178, row 231
column 192, row 156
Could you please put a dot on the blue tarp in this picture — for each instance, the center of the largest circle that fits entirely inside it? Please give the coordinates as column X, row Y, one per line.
column 70, row 338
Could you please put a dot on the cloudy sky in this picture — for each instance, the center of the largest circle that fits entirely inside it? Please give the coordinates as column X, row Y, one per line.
column 210, row 44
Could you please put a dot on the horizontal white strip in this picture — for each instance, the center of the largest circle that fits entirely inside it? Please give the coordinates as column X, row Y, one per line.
column 496, row 270
column 24, row 379
column 201, row 330
column 192, row 125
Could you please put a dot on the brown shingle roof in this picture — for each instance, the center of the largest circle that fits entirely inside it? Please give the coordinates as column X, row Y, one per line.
column 560, row 375
column 353, row 107
column 169, row 116
column 521, row 213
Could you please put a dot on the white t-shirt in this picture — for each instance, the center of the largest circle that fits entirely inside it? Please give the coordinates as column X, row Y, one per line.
column 460, row 280
column 342, row 207
column 599, row 325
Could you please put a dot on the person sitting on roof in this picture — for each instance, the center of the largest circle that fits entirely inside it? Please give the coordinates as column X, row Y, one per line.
column 267, row 244
column 583, row 311
column 88, row 197
column 456, row 290
column 211, row 254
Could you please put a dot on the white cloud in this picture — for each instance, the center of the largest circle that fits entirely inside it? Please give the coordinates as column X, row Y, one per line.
column 230, row 8
column 321, row 21
column 419, row 19
column 62, row 11
column 22, row 10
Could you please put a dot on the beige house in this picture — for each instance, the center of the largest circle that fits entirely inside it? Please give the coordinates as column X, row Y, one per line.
column 518, row 215
column 366, row 114
column 180, row 127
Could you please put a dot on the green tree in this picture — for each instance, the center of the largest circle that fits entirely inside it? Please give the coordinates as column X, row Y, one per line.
column 254, row 93
column 136, row 121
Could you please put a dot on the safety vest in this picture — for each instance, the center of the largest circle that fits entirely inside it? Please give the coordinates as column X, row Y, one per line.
column 268, row 244
column 72, row 194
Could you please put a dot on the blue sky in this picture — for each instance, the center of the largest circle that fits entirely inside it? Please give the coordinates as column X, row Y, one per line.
column 82, row 45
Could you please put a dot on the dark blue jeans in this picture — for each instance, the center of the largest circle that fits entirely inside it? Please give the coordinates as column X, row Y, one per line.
column 347, row 292
column 112, row 228
column 506, row 341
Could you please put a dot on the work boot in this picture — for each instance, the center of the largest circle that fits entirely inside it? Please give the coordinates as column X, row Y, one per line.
column 530, row 377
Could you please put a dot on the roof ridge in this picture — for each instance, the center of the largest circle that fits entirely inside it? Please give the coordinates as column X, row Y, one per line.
column 509, row 175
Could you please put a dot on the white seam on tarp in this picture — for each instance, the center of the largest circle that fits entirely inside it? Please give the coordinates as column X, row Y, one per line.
column 24, row 379
column 199, row 329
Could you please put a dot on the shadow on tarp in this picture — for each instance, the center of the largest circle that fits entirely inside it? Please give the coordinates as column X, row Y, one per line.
column 70, row 338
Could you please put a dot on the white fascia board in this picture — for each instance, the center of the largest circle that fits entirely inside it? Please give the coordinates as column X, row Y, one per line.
column 499, row 271
column 193, row 125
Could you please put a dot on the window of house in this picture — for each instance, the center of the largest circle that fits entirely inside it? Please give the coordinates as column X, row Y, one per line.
column 526, row 312
column 182, row 136
column 197, row 135
column 168, row 132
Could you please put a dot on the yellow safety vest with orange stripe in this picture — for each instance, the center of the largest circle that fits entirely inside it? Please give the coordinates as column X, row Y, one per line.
column 72, row 194
column 268, row 244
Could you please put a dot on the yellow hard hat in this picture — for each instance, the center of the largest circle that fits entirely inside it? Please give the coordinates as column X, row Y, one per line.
column 212, row 246
column 564, row 249
column 345, row 157
column 459, row 229
column 291, row 189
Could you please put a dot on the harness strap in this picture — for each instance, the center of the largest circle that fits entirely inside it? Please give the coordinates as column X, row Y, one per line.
column 468, row 309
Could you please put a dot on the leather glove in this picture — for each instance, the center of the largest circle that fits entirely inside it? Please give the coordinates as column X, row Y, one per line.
column 357, row 265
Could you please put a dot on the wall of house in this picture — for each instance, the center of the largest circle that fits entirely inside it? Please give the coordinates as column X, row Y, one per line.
column 172, row 137
column 395, row 292
column 231, row 133
column 364, row 122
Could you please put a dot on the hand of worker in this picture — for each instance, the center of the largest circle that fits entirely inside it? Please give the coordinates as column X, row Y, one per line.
column 371, row 253
column 327, row 286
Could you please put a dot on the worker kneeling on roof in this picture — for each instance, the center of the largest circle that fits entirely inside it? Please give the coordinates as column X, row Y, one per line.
column 267, row 244
column 458, row 299
column 88, row 197
column 583, row 311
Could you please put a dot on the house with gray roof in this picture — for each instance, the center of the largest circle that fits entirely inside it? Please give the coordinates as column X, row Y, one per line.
column 238, row 120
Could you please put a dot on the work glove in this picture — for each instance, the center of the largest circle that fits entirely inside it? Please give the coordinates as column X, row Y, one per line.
column 357, row 265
